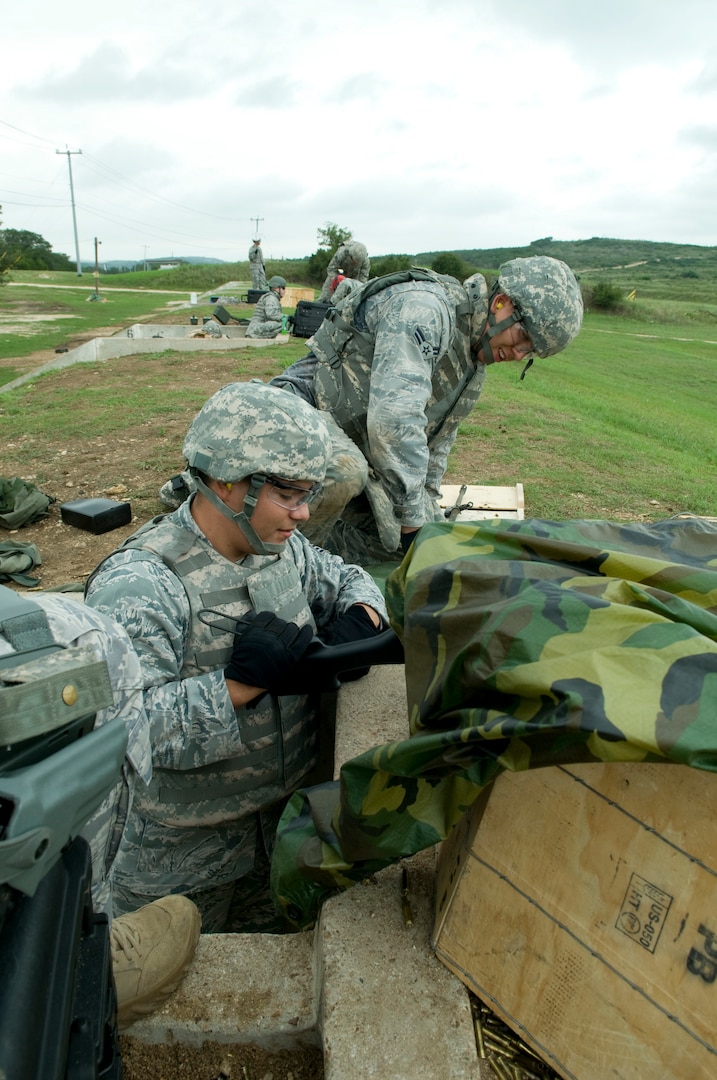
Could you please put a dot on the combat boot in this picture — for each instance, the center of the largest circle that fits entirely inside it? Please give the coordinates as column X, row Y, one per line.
column 151, row 950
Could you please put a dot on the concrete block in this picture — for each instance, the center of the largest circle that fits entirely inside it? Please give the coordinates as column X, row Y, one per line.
column 256, row 989
column 388, row 1008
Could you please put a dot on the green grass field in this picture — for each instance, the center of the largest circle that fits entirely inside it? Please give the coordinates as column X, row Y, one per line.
column 619, row 426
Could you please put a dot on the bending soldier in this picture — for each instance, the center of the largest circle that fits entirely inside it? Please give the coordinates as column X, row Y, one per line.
column 395, row 367
column 351, row 260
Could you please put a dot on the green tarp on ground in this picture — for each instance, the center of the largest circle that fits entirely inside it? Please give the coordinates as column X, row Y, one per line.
column 527, row 643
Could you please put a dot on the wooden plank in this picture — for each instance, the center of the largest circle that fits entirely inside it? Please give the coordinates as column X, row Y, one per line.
column 489, row 501
column 293, row 295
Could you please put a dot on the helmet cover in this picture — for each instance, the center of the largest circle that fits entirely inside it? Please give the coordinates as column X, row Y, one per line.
column 547, row 299
column 251, row 427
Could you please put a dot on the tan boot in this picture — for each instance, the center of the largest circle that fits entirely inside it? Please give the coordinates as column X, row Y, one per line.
column 151, row 949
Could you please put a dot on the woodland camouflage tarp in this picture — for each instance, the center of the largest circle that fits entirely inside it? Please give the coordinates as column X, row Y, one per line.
column 527, row 643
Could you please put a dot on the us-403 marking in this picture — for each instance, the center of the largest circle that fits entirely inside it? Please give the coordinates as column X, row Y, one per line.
column 643, row 912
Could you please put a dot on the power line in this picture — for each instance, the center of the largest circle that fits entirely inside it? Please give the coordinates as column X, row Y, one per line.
column 28, row 133
column 113, row 175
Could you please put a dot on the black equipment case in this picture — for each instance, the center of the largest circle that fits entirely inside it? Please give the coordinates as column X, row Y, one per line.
column 308, row 318
column 253, row 295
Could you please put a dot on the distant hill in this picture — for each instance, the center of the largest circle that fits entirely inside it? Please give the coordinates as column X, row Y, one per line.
column 598, row 253
column 129, row 264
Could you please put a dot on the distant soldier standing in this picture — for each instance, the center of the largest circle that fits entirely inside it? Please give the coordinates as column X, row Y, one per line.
column 256, row 265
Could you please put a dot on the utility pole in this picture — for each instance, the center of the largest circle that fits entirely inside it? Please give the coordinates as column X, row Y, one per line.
column 72, row 200
column 256, row 221
column 97, row 269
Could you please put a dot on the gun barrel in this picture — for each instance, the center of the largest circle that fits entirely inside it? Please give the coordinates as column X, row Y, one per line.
column 321, row 665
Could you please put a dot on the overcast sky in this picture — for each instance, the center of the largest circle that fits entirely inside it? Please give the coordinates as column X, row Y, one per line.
column 420, row 126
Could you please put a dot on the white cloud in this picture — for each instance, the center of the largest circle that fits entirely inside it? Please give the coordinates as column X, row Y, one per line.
column 418, row 126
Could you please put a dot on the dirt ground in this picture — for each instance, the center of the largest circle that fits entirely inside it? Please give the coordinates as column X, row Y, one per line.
column 214, row 1062
column 69, row 554
column 129, row 468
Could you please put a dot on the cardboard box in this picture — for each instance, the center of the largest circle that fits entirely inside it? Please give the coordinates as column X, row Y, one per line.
column 580, row 904
column 96, row 515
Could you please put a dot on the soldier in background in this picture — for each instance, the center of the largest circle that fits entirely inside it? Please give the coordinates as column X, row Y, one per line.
column 351, row 260
column 228, row 744
column 395, row 367
column 152, row 947
column 341, row 286
column 256, row 265
column 266, row 320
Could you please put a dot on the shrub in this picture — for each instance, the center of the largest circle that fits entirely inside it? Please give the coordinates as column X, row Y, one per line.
column 603, row 296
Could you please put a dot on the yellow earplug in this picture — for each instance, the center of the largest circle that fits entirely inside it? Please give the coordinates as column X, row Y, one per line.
column 228, row 487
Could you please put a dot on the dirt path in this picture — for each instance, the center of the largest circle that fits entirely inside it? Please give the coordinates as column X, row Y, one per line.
column 84, row 285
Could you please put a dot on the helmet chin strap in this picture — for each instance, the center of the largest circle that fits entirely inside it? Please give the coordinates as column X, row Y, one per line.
column 241, row 520
column 493, row 327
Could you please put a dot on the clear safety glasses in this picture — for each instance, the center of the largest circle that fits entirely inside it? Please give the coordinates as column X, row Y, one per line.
column 288, row 495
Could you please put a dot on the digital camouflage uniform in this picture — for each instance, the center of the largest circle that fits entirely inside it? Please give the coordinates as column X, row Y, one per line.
column 206, row 823
column 394, row 446
column 352, row 258
column 266, row 320
column 343, row 289
column 395, row 365
column 256, row 266
column 527, row 643
column 74, row 626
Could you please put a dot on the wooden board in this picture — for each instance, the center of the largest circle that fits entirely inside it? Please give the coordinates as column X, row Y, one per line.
column 292, row 296
column 580, row 904
column 488, row 501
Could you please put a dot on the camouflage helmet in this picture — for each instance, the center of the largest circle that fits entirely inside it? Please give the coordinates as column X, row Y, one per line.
column 251, row 427
column 276, row 282
column 547, row 299
column 353, row 254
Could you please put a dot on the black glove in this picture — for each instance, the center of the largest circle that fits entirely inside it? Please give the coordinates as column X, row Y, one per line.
column 407, row 539
column 353, row 625
column 266, row 649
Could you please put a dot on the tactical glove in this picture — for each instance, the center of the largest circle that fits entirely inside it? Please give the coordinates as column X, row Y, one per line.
column 266, row 649
column 353, row 625
column 407, row 539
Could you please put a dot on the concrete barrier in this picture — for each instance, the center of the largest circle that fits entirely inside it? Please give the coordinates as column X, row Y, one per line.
column 141, row 339
column 363, row 985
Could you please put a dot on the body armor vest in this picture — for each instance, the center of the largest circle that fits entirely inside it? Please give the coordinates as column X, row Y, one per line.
column 279, row 735
column 344, row 354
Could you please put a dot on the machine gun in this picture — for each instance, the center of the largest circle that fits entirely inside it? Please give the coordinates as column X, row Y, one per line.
column 322, row 667
column 57, row 1000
